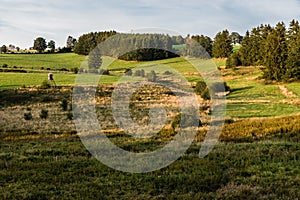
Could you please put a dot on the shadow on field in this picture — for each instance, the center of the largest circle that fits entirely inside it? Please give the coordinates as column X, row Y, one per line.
column 14, row 97
column 237, row 90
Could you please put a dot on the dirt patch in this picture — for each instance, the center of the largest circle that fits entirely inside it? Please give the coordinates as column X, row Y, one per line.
column 286, row 92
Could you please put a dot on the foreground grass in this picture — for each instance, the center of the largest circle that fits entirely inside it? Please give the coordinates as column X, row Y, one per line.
column 44, row 158
column 61, row 168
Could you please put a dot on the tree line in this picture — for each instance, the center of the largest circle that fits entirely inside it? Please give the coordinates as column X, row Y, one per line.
column 276, row 48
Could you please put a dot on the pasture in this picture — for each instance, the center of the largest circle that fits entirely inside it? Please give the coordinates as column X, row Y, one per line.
column 257, row 156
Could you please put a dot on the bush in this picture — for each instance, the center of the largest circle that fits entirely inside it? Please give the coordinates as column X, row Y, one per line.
column 70, row 115
column 64, row 70
column 186, row 121
column 205, row 95
column 45, row 85
column 218, row 86
column 28, row 116
column 104, row 72
column 64, row 104
column 142, row 73
column 200, row 87
column 44, row 114
column 75, row 70
column 137, row 73
column 152, row 76
column 168, row 73
column 234, row 60
column 128, row 72
column 4, row 66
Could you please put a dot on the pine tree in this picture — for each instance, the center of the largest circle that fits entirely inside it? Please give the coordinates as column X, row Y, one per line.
column 293, row 61
column 245, row 50
column 205, row 42
column 276, row 54
column 222, row 47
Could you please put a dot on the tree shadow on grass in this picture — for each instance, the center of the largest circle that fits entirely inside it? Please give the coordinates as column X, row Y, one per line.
column 238, row 90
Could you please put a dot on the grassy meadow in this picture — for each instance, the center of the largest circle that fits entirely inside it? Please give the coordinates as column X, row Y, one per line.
column 257, row 156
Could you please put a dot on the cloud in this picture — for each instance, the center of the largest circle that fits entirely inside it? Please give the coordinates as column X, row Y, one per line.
column 55, row 19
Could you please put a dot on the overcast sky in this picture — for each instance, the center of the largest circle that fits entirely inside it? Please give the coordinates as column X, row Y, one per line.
column 22, row 21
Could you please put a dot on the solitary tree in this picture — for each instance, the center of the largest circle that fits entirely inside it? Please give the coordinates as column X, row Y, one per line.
column 51, row 45
column 39, row 44
column 71, row 42
column 3, row 49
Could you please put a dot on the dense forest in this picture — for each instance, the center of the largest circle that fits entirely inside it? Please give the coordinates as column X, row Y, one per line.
column 276, row 48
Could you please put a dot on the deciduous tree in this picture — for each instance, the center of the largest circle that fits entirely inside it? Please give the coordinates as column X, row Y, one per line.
column 39, row 44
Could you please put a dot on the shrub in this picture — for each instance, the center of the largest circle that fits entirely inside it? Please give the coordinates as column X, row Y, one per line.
column 218, row 86
column 137, row 73
column 44, row 114
column 104, row 72
column 63, row 70
column 152, row 76
column 45, row 85
column 4, row 66
column 200, row 87
column 70, row 115
column 28, row 116
column 75, row 70
column 64, row 104
column 167, row 73
column 186, row 121
column 128, row 72
column 142, row 73
column 234, row 60
column 46, row 98
column 205, row 95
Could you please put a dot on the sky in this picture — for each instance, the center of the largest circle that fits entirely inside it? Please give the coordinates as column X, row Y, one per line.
column 22, row 21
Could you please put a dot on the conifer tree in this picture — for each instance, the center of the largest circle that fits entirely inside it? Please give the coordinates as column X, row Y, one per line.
column 276, row 54
column 222, row 47
column 293, row 43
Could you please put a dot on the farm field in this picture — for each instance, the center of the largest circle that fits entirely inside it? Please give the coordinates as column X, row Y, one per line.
column 257, row 156
column 42, row 158
column 249, row 96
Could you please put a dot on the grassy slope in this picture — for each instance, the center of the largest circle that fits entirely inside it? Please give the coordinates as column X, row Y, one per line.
column 57, row 166
column 250, row 97
column 62, row 168
column 36, row 61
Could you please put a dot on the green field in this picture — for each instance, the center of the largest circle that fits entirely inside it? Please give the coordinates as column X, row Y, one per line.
column 249, row 97
column 36, row 61
column 257, row 156
column 63, row 169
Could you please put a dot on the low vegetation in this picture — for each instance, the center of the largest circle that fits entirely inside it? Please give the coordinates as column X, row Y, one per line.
column 42, row 157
